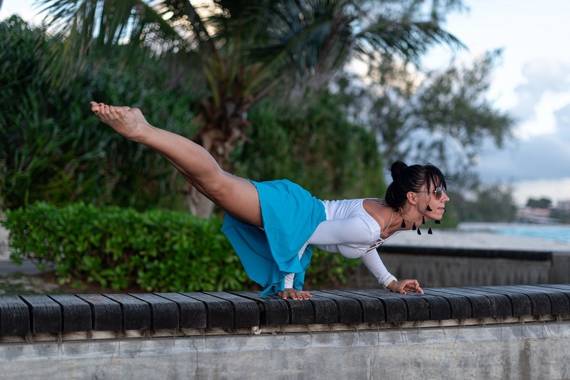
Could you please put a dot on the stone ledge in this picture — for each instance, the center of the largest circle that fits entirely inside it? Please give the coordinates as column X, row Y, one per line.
column 279, row 330
column 501, row 351
column 112, row 316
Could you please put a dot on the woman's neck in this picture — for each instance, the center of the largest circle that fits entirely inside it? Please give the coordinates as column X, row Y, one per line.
column 405, row 219
column 390, row 220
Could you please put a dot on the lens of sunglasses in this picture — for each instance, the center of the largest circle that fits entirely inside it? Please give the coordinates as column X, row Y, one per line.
column 438, row 192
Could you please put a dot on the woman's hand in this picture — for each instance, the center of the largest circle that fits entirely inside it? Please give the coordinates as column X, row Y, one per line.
column 405, row 286
column 294, row 294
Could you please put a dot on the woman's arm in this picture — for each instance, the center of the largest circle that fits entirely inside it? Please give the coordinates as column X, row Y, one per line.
column 375, row 265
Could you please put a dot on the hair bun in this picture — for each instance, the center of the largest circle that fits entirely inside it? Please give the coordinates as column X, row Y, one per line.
column 397, row 170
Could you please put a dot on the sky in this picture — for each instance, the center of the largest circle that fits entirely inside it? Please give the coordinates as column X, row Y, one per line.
column 531, row 83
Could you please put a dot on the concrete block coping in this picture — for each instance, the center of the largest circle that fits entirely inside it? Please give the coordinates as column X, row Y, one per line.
column 90, row 316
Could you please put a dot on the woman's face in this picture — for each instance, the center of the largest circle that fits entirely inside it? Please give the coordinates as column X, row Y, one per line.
column 435, row 197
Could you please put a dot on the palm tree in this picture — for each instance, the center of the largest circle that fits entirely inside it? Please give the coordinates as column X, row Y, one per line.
column 248, row 49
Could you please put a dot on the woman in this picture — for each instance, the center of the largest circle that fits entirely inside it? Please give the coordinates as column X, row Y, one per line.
column 272, row 225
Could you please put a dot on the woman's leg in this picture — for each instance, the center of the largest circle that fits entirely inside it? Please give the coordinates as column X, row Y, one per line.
column 234, row 194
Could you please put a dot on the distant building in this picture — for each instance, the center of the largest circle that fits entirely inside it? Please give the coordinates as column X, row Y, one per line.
column 534, row 215
column 563, row 205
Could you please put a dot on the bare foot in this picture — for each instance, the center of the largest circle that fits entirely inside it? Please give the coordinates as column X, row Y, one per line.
column 294, row 294
column 127, row 121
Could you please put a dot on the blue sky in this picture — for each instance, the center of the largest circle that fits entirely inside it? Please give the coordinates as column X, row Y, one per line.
column 532, row 83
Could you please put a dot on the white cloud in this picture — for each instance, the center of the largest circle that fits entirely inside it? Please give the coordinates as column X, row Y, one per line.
column 544, row 121
column 556, row 190
column 541, row 157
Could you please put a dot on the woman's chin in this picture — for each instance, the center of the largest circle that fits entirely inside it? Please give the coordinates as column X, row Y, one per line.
column 436, row 216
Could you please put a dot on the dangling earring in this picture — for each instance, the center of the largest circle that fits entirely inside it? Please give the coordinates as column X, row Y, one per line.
column 403, row 226
column 430, row 232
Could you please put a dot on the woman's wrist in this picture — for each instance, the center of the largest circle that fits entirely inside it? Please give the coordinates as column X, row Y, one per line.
column 389, row 280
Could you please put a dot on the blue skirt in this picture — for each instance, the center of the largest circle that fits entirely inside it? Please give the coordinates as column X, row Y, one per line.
column 290, row 215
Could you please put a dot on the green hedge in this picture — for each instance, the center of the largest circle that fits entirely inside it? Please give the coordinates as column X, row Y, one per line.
column 156, row 250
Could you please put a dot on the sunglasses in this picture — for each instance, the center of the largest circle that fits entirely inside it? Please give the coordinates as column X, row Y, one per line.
column 437, row 192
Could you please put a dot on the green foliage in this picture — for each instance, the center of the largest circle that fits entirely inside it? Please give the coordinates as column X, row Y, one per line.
column 329, row 270
column 315, row 146
column 156, row 250
column 121, row 248
column 539, row 202
column 487, row 203
column 248, row 46
column 53, row 149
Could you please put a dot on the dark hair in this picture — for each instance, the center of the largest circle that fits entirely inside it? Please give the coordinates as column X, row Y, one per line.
column 411, row 178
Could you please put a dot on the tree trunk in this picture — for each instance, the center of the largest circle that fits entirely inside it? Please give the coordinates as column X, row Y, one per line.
column 222, row 131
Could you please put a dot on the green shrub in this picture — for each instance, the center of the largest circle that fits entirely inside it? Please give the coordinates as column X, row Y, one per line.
column 154, row 251
column 122, row 248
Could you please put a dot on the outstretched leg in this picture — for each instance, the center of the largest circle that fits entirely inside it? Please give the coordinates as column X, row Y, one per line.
column 234, row 194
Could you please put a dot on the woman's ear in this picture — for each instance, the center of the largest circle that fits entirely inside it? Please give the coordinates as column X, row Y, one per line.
column 412, row 198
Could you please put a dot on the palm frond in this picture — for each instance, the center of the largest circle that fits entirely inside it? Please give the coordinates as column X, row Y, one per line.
column 88, row 26
column 406, row 38
column 304, row 35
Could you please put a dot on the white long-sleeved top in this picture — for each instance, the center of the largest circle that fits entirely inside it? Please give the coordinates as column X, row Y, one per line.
column 351, row 231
